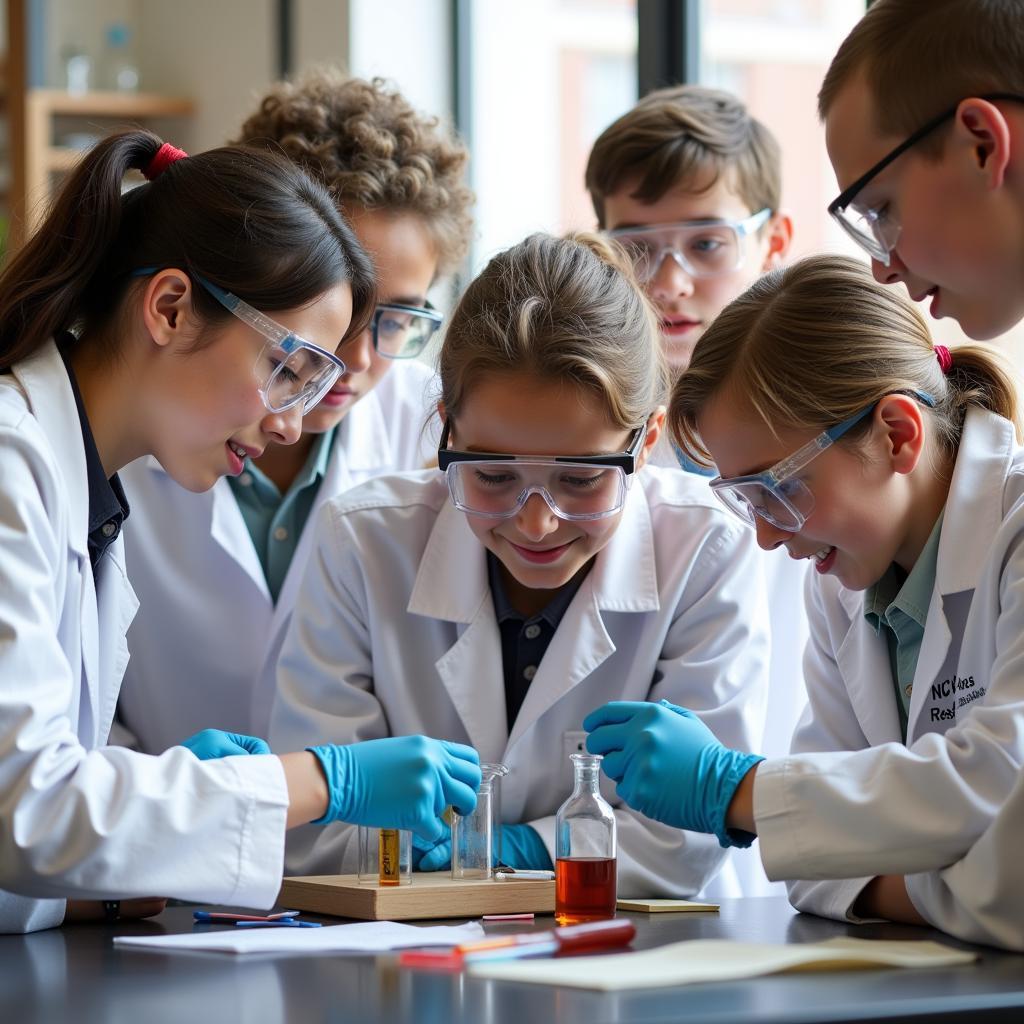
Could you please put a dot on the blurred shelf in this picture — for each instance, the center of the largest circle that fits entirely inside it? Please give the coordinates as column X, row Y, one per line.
column 57, row 102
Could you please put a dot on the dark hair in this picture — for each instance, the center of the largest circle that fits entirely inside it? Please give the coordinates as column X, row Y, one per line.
column 248, row 220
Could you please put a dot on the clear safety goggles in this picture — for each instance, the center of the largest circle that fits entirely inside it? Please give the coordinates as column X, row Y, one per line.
column 702, row 248
column 872, row 226
column 583, row 487
column 403, row 332
column 289, row 369
column 778, row 495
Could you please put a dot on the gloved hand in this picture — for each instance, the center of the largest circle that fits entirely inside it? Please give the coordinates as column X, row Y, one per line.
column 669, row 765
column 521, row 847
column 213, row 743
column 399, row 782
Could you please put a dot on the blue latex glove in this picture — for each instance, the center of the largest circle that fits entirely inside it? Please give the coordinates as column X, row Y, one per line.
column 521, row 847
column 399, row 782
column 669, row 765
column 213, row 743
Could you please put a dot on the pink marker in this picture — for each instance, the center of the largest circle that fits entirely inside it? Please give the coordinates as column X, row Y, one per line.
column 507, row 917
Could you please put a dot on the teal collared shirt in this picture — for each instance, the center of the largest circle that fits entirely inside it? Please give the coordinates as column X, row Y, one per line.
column 276, row 521
column 898, row 604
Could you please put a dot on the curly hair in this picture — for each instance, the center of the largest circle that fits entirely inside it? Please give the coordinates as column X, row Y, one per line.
column 368, row 145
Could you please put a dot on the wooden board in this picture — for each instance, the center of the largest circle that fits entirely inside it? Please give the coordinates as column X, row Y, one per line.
column 429, row 895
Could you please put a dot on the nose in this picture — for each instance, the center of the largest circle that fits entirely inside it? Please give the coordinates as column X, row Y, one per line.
column 769, row 537
column 283, row 427
column 536, row 519
column 670, row 280
column 357, row 352
column 892, row 274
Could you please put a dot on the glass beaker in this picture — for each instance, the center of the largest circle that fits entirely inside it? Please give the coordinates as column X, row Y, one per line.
column 585, row 848
column 385, row 856
column 476, row 837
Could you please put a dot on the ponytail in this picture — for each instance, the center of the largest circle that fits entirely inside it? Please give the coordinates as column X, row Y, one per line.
column 248, row 220
column 978, row 377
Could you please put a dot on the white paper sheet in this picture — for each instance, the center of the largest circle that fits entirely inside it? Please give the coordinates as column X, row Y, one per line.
column 684, row 963
column 365, row 937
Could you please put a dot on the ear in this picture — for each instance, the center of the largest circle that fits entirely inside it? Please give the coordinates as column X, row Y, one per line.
column 983, row 128
column 655, row 426
column 902, row 421
column 167, row 307
column 779, row 234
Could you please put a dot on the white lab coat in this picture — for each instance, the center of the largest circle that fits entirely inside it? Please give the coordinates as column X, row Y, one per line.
column 78, row 819
column 394, row 633
column 208, row 629
column 854, row 802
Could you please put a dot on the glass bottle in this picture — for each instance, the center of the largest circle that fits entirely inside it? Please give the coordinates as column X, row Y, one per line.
column 585, row 848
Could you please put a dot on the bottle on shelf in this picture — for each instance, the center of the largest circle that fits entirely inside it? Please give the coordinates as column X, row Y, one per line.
column 122, row 73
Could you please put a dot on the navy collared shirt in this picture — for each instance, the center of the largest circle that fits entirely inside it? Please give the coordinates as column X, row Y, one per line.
column 523, row 640
column 108, row 506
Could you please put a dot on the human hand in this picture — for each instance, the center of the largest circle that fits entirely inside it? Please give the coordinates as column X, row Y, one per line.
column 399, row 782
column 669, row 765
column 521, row 847
column 213, row 743
column 128, row 910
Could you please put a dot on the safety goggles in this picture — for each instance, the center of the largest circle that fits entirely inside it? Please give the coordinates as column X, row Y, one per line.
column 403, row 332
column 874, row 227
column 778, row 495
column 576, row 487
column 289, row 369
column 702, row 248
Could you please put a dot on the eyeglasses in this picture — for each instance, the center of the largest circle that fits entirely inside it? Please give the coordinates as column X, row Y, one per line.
column 402, row 332
column 576, row 487
column 777, row 495
column 702, row 248
column 289, row 369
column 875, row 229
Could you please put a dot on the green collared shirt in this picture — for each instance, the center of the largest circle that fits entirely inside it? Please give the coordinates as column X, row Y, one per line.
column 898, row 603
column 275, row 522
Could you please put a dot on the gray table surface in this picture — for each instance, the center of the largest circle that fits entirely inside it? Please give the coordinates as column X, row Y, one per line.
column 75, row 974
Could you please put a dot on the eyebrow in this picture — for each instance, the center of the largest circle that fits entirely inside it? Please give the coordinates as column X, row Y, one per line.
column 671, row 223
column 405, row 300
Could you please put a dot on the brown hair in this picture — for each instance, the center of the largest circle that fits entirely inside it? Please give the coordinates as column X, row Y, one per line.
column 561, row 309
column 686, row 136
column 366, row 143
column 809, row 345
column 251, row 222
column 921, row 58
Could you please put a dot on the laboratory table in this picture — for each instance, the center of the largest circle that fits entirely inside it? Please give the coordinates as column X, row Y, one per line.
column 75, row 974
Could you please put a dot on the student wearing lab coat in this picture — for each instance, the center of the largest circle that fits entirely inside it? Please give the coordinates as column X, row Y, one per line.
column 125, row 330
column 895, row 466
column 497, row 601
column 228, row 562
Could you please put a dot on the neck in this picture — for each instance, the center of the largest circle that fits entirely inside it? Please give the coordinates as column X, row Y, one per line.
column 929, row 489
column 529, row 601
column 282, row 463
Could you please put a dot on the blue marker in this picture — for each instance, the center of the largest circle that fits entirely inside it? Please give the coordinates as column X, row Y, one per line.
column 289, row 922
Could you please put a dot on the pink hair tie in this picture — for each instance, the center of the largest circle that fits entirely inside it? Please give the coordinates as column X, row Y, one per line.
column 944, row 357
column 164, row 157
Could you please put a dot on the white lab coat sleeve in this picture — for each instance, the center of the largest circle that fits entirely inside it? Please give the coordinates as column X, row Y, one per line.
column 102, row 823
column 980, row 898
column 325, row 682
column 715, row 663
column 847, row 813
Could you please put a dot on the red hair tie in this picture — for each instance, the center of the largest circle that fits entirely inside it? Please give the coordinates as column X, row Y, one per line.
column 945, row 358
column 164, row 157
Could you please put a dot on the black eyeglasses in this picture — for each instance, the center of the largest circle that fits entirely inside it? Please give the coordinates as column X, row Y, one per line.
column 873, row 230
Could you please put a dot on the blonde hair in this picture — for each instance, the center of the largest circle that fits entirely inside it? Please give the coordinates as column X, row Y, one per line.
column 684, row 137
column 809, row 345
column 368, row 145
column 922, row 58
column 562, row 309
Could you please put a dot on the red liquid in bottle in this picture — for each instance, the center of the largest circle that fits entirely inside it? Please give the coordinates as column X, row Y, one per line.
column 584, row 889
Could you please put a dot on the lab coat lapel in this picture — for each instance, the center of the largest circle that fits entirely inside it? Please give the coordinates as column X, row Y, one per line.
column 451, row 585
column 228, row 529
column 623, row 579
column 972, row 518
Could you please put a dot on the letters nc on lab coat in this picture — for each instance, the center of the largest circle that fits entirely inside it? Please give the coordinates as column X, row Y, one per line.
column 79, row 819
column 394, row 632
column 853, row 801
column 207, row 630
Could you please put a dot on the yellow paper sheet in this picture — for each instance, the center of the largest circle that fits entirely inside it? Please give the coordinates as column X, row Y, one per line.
column 684, row 963
column 666, row 906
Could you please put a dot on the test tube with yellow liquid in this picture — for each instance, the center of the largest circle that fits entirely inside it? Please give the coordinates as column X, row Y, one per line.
column 385, row 856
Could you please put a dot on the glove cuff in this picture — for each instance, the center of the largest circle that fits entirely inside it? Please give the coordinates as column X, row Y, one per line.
column 727, row 778
column 333, row 764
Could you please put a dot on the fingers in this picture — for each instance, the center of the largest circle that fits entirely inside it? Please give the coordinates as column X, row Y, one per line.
column 462, row 769
column 459, row 795
column 677, row 709
column 461, row 751
column 607, row 738
column 612, row 713
column 439, row 858
column 429, row 829
column 614, row 765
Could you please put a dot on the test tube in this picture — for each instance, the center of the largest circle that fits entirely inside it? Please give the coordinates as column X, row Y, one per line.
column 385, row 856
column 476, row 838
